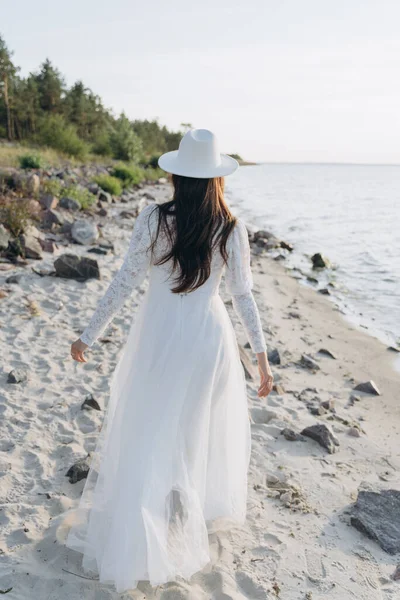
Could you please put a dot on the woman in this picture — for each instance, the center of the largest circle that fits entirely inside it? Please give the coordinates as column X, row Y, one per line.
column 171, row 461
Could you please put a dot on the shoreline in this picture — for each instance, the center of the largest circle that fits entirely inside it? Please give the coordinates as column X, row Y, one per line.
column 306, row 277
column 297, row 537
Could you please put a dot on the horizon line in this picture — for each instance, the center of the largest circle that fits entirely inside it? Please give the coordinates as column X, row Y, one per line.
column 326, row 163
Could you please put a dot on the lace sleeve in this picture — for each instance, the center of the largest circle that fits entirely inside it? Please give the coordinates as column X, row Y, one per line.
column 239, row 281
column 130, row 275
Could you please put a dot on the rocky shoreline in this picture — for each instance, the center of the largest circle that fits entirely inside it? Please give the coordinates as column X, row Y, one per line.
column 324, row 500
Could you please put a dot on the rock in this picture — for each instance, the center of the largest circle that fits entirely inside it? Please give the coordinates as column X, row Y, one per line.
column 149, row 197
column 354, row 432
column 14, row 279
column 377, row 515
column 274, row 356
column 368, row 387
column 319, row 261
column 393, row 348
column 272, row 479
column 93, row 188
column 17, row 376
column 70, row 266
column 163, row 180
column 396, row 574
column 312, row 279
column 34, row 207
column 286, row 497
column 317, row 411
column 128, row 214
column 323, row 435
column 102, row 212
column 5, row 237
column 326, row 352
column 106, row 245
column 48, row 245
column 290, row 435
column 44, row 270
column 90, row 403
column 79, row 470
column 101, row 251
column 69, row 203
column 52, row 217
column 278, row 389
column 105, row 197
column 32, row 184
column 48, row 201
column 262, row 233
column 324, row 291
column 84, row 232
column 286, row 246
column 329, row 404
column 30, row 245
column 309, row 363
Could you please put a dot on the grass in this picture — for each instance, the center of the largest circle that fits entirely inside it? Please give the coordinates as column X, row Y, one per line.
column 16, row 215
column 80, row 194
column 10, row 155
column 109, row 184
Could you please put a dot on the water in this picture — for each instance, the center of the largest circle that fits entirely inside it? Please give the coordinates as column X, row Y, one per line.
column 349, row 213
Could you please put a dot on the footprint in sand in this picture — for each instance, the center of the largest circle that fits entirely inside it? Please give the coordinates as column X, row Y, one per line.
column 250, row 588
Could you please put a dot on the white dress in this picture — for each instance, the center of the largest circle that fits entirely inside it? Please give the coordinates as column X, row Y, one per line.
column 171, row 460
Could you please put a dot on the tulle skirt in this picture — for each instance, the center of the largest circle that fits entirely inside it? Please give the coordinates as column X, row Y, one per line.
column 171, row 460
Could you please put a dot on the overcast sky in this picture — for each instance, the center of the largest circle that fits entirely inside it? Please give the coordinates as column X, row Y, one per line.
column 276, row 80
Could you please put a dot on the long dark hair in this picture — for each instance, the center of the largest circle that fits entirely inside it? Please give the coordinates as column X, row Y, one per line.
column 203, row 221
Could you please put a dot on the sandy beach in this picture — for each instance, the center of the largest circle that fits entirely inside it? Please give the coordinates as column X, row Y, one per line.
column 298, row 542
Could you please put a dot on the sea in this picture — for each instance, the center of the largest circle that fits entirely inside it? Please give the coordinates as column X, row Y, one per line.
column 348, row 213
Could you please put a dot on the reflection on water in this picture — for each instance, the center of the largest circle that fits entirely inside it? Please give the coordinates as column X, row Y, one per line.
column 349, row 213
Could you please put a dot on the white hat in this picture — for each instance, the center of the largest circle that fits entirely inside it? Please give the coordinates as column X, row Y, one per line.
column 198, row 156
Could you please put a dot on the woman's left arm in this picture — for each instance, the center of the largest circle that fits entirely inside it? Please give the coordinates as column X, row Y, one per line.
column 130, row 275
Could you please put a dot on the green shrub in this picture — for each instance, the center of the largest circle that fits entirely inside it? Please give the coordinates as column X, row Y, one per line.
column 16, row 215
column 128, row 175
column 80, row 194
column 57, row 133
column 109, row 184
column 30, row 161
column 53, row 187
column 125, row 144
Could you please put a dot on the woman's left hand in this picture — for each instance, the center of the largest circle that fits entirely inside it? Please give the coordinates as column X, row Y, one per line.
column 77, row 350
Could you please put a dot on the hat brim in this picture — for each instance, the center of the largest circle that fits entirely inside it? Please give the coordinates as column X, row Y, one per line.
column 170, row 162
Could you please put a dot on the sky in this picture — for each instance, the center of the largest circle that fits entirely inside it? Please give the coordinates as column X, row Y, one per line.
column 276, row 80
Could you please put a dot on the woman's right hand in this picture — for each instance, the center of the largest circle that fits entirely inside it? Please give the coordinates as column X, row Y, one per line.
column 266, row 377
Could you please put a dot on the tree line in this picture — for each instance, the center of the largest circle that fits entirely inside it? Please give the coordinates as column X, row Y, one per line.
column 40, row 109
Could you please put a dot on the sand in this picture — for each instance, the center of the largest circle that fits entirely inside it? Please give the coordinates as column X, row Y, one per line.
column 292, row 550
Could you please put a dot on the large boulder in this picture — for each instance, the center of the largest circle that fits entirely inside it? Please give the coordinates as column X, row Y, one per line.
column 84, row 232
column 377, row 515
column 81, row 268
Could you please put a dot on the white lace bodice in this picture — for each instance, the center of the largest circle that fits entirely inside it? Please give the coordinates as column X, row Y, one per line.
column 139, row 259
